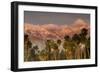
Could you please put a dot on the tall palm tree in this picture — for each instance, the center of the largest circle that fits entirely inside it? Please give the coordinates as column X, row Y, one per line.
column 27, row 46
column 48, row 47
column 68, row 46
column 83, row 40
column 56, row 50
column 61, row 52
column 65, row 44
column 88, row 47
column 34, row 53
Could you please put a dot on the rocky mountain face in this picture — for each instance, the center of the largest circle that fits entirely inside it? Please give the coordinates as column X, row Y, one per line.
column 54, row 31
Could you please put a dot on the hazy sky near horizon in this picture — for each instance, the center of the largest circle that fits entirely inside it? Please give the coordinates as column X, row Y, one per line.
column 33, row 17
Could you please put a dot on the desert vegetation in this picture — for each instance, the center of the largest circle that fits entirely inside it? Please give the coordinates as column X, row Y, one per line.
column 67, row 48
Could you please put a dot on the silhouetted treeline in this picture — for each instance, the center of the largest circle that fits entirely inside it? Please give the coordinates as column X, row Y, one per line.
column 75, row 47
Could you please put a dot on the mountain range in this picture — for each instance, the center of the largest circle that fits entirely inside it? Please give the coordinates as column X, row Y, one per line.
column 54, row 31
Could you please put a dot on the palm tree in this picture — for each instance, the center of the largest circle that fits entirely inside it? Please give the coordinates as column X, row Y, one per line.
column 66, row 41
column 58, row 41
column 48, row 48
column 66, row 38
column 34, row 53
column 83, row 40
column 76, row 38
column 62, row 55
column 43, row 56
column 27, row 46
column 83, row 34
column 65, row 44
column 88, row 47
column 75, row 41
column 56, row 51
column 68, row 46
column 84, row 31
